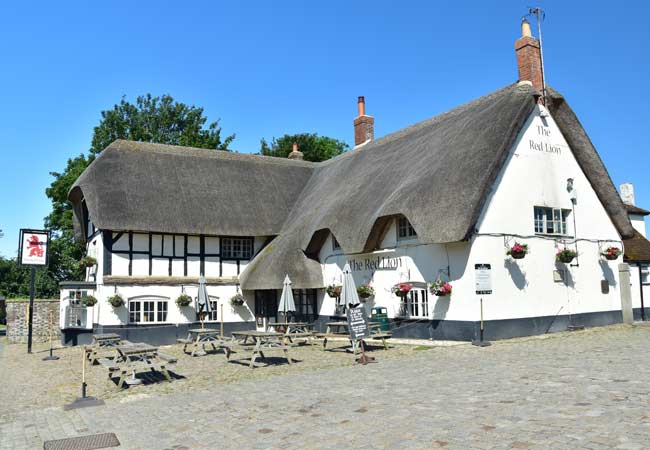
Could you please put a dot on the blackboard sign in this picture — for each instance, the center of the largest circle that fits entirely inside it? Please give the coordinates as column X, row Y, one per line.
column 483, row 278
column 357, row 323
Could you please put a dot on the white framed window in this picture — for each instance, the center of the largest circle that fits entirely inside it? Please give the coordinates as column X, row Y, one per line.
column 76, row 296
column 236, row 248
column 148, row 309
column 645, row 274
column 214, row 307
column 551, row 220
column 404, row 229
column 417, row 303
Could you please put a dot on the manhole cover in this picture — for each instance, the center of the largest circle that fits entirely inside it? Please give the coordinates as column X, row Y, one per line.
column 92, row 442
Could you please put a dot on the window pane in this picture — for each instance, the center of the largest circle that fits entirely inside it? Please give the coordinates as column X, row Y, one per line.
column 162, row 311
column 148, row 311
column 134, row 312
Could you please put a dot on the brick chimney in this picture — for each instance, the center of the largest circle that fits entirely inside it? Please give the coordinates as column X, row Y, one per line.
column 529, row 61
column 295, row 154
column 364, row 126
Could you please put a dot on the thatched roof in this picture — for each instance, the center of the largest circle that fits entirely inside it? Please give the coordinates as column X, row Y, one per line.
column 152, row 187
column 637, row 249
column 437, row 173
column 631, row 209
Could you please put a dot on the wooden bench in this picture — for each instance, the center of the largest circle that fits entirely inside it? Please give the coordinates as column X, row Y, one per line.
column 185, row 343
column 382, row 336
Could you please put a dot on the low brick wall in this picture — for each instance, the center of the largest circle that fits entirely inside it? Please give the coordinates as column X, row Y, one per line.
column 17, row 320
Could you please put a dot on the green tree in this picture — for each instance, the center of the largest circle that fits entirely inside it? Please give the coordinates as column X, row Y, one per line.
column 14, row 281
column 158, row 119
column 314, row 147
column 151, row 119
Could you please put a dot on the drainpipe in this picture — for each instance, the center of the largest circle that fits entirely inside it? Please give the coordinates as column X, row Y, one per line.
column 640, row 267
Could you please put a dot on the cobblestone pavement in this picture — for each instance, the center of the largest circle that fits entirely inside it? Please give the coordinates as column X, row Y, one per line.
column 581, row 390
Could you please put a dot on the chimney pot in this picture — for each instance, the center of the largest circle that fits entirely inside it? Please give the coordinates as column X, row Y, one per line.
column 525, row 29
column 295, row 154
column 364, row 125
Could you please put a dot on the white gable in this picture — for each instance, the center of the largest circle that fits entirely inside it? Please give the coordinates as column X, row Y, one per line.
column 536, row 174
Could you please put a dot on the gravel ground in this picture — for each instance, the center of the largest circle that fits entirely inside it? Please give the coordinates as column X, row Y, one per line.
column 55, row 383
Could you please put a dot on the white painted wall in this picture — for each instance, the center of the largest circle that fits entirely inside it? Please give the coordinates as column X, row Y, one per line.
column 534, row 177
column 638, row 222
column 523, row 288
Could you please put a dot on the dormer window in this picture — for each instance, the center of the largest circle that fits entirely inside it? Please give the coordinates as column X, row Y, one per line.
column 405, row 230
column 335, row 244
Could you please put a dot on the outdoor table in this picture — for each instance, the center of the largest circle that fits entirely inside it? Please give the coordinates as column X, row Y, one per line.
column 337, row 326
column 202, row 336
column 134, row 358
column 293, row 330
column 102, row 342
column 264, row 341
column 106, row 340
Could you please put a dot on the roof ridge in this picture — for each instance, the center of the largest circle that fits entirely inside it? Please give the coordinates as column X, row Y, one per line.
column 180, row 150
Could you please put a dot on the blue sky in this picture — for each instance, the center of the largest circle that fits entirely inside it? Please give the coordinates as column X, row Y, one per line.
column 269, row 68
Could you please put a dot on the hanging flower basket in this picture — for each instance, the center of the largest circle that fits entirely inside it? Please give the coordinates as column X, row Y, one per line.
column 183, row 300
column 333, row 290
column 518, row 251
column 440, row 288
column 365, row 290
column 89, row 300
column 87, row 261
column 611, row 253
column 402, row 289
column 237, row 300
column 116, row 301
column 565, row 255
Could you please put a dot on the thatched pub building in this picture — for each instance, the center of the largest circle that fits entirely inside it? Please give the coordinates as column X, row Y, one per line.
column 441, row 200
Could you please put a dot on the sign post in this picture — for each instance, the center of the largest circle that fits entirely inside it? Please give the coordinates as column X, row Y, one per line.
column 33, row 251
column 483, row 282
column 358, row 328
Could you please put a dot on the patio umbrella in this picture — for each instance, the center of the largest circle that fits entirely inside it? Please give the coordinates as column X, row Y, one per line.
column 286, row 299
column 203, row 301
column 348, row 290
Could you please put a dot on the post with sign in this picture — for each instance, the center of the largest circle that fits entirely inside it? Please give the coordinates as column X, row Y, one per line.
column 358, row 328
column 483, row 283
column 33, row 251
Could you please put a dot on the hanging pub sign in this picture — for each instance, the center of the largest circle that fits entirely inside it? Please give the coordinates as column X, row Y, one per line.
column 483, row 278
column 357, row 323
column 33, row 247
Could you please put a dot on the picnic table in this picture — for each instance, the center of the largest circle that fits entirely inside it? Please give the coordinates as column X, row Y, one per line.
column 203, row 336
column 133, row 358
column 101, row 343
column 263, row 341
column 333, row 330
column 293, row 330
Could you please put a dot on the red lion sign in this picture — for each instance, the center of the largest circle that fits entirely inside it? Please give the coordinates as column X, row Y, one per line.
column 34, row 246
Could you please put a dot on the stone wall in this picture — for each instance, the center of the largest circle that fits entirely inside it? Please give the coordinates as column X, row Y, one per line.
column 17, row 320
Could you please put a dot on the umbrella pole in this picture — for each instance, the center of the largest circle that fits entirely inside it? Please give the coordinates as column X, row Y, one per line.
column 221, row 319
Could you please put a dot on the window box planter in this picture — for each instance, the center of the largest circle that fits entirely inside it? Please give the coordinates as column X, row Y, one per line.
column 116, row 300
column 565, row 255
column 518, row 251
column 183, row 300
column 611, row 253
